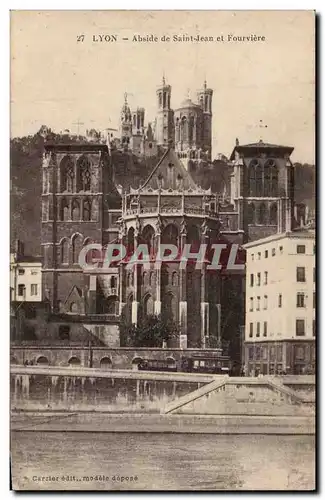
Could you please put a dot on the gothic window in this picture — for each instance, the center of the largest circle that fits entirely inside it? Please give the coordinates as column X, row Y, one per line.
column 191, row 128
column 113, row 281
column 262, row 214
column 174, row 278
column 148, row 304
column 274, row 214
column 150, row 278
column 130, row 241
column 177, row 138
column 270, row 178
column 206, row 103
column 170, row 235
column 66, row 174
column 64, row 210
column 87, row 210
column 148, row 234
column 45, row 180
column 252, row 177
column 164, row 99
column 75, row 210
column 267, row 180
column 160, row 99
column 64, row 251
column 76, row 247
column 144, row 278
column 251, row 214
column 74, row 309
column 259, row 181
column 183, row 131
column 83, row 174
column 274, row 180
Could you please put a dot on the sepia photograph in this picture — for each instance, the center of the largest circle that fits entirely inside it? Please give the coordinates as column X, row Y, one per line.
column 162, row 250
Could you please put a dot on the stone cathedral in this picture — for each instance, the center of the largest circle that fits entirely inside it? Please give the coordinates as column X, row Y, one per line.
column 82, row 203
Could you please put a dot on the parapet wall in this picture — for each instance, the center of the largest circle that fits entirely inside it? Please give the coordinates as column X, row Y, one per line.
column 78, row 389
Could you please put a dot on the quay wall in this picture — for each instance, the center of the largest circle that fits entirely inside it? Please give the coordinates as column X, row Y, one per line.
column 70, row 389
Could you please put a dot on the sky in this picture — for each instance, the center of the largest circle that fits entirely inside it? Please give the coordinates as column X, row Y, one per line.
column 58, row 81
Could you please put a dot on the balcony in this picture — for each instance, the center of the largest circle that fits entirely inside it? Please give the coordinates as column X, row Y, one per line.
column 171, row 210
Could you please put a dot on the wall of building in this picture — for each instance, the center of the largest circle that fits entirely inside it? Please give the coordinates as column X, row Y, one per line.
column 119, row 358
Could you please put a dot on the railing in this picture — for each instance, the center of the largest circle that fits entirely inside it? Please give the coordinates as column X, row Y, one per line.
column 86, row 318
column 172, row 210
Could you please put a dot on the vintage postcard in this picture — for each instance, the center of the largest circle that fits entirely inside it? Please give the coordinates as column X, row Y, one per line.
column 162, row 263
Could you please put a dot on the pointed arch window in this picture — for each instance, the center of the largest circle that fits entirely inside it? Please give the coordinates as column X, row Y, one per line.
column 75, row 210
column 64, row 251
column 76, row 247
column 170, row 235
column 83, row 174
column 64, row 210
column 183, row 131
column 148, row 235
column 148, row 305
column 87, row 210
column 274, row 180
column 67, row 174
column 252, row 177
column 259, row 181
column 191, row 129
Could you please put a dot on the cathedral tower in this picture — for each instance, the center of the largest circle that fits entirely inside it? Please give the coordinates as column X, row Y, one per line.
column 126, row 123
column 205, row 101
column 165, row 116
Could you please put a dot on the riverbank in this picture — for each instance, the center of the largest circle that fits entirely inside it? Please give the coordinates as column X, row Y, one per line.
column 156, row 423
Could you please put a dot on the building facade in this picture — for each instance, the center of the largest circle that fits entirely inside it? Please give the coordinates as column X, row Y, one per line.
column 25, row 276
column 280, row 324
column 169, row 208
column 80, row 205
column 262, row 188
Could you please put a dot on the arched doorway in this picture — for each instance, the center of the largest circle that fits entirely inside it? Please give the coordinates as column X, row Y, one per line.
column 42, row 360
column 74, row 361
column 105, row 363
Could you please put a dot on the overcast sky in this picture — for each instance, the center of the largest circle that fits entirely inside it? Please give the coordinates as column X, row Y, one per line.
column 57, row 81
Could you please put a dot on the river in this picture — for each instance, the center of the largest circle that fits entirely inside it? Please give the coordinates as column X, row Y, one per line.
column 157, row 461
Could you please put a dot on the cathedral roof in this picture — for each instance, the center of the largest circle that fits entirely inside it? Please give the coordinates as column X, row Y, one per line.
column 170, row 173
column 258, row 147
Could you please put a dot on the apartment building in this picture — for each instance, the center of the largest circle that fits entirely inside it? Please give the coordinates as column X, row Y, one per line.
column 25, row 276
column 280, row 320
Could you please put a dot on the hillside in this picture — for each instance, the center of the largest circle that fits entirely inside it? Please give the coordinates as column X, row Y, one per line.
column 26, row 160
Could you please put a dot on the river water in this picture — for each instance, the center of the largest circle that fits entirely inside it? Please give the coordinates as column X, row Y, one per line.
column 160, row 461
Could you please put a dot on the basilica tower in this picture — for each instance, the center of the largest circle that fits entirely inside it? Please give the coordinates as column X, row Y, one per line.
column 204, row 97
column 165, row 116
